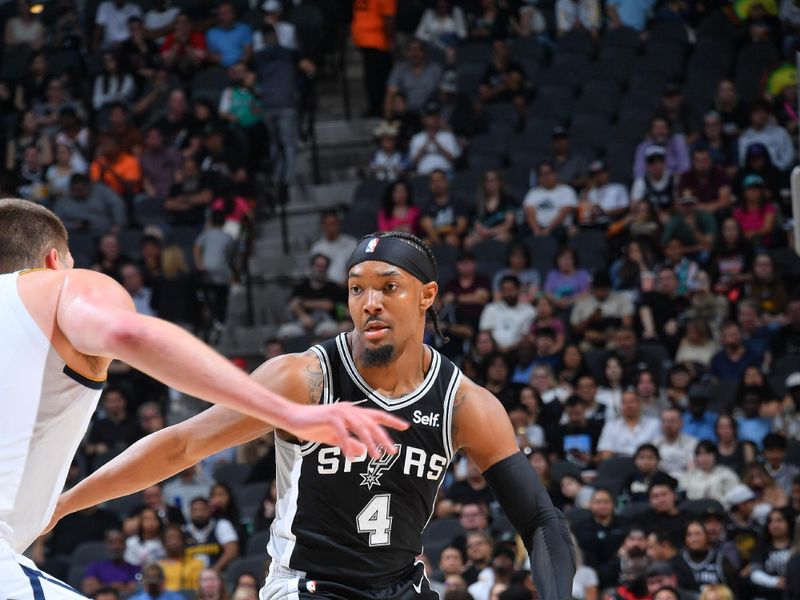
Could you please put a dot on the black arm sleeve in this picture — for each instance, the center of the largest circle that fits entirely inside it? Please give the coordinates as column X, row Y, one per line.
column 543, row 528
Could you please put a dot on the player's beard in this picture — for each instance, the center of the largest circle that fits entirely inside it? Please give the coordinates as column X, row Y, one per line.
column 377, row 357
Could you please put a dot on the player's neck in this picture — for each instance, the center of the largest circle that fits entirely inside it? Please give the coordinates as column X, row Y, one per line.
column 400, row 377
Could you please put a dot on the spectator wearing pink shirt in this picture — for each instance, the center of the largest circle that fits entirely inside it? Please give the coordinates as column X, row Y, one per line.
column 399, row 212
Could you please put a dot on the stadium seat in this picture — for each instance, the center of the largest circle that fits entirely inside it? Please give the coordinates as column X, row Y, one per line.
column 599, row 97
column 590, row 130
column 560, row 468
column 554, row 100
column 663, row 58
column 209, row 84
column 576, row 516
column 257, row 565
column 700, row 87
column 751, row 63
column 634, row 511
column 527, row 47
column 233, row 474
column 253, row 493
column 615, row 64
column 633, row 122
column 671, row 32
column 722, row 396
column 542, row 250
column 361, row 219
column 122, row 507
column 310, row 24
column 621, row 37
column 257, row 544
column 370, row 190
column 130, row 243
column 592, row 250
column 613, row 472
column 475, row 53
column 781, row 369
column 87, row 553
column 717, row 23
column 712, row 52
column 576, row 41
column 75, row 576
column 567, row 69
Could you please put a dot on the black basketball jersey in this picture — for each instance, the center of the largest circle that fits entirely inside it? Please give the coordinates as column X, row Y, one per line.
column 362, row 520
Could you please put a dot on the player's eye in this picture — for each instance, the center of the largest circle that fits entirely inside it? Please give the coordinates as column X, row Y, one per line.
column 354, row 289
column 392, row 286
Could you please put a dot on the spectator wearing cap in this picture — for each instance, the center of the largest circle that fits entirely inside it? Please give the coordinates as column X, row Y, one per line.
column 707, row 479
column 444, row 220
column 596, row 314
column 387, row 161
column 468, row 293
column 276, row 73
column 230, row 41
column 507, row 319
column 775, row 461
column 774, row 137
column 578, row 15
column 677, row 111
column 416, row 77
column 111, row 22
column 707, row 182
column 658, row 185
column 675, row 447
column 153, row 587
column 787, row 420
column 572, row 168
column 443, row 26
column 549, row 206
column 433, row 148
column 756, row 213
column 286, row 32
column 623, row 435
column 691, row 224
column 674, row 144
column 505, row 81
column 663, row 573
column 742, row 528
column 731, row 361
column 609, row 200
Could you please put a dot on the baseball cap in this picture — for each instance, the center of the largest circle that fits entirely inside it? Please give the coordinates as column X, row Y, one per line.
column 596, row 166
column 687, row 197
column 431, row 107
column 713, row 512
column 756, row 149
column 660, row 568
column 272, row 6
column 386, row 128
column 753, row 181
column 654, row 151
column 793, row 380
column 739, row 494
column 559, row 132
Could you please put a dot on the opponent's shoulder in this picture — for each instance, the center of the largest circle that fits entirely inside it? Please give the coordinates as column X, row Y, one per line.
column 297, row 376
column 87, row 283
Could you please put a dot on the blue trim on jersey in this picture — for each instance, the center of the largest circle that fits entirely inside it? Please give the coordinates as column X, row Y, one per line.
column 35, row 575
column 92, row 384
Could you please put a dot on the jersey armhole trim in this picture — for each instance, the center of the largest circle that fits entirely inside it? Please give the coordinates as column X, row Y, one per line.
column 447, row 421
column 84, row 380
column 327, row 391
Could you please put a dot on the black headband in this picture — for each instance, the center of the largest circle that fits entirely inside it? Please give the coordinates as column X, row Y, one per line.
column 395, row 251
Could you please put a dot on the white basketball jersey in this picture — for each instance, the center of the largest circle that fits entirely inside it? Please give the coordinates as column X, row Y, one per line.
column 45, row 408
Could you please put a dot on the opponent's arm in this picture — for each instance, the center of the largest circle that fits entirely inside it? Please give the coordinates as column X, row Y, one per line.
column 173, row 449
column 482, row 429
column 98, row 318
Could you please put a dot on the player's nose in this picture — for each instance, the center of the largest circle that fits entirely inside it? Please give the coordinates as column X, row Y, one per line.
column 373, row 301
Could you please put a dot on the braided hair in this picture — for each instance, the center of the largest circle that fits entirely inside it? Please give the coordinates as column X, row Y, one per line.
column 417, row 243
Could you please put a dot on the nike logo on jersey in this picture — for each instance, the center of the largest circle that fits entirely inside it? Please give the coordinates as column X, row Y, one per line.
column 431, row 419
column 353, row 403
column 377, row 466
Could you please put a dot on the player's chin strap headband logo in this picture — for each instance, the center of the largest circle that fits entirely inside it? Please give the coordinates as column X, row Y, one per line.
column 377, row 466
column 373, row 243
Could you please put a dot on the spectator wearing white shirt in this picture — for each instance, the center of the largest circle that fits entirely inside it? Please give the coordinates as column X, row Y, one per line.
column 763, row 130
column 597, row 314
column 335, row 245
column 610, row 200
column 159, row 20
column 286, row 32
column 442, row 25
column 675, row 447
column 581, row 15
column 622, row 436
column 708, row 479
column 548, row 207
column 433, row 148
column 111, row 22
column 112, row 85
column 507, row 319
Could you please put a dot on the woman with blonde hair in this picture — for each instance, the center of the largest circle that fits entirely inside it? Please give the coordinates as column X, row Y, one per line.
column 174, row 293
column 716, row 592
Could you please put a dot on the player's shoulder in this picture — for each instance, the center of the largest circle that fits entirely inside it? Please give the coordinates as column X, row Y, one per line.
column 298, row 376
column 474, row 397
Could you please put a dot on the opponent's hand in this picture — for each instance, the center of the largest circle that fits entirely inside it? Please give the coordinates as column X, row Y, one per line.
column 355, row 430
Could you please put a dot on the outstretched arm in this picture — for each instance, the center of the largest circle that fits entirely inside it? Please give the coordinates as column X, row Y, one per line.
column 169, row 451
column 97, row 316
column 482, row 429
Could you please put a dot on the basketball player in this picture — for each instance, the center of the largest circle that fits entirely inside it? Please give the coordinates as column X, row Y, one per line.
column 350, row 529
column 59, row 330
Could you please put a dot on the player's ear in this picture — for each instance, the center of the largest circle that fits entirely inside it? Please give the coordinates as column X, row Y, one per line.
column 52, row 260
column 429, row 291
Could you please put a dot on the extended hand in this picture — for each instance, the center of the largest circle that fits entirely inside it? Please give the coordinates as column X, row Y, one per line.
column 355, row 430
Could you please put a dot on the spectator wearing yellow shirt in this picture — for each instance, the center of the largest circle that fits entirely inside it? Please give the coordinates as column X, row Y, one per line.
column 181, row 572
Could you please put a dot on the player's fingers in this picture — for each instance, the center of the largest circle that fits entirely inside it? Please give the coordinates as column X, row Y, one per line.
column 387, row 420
column 382, row 437
column 354, row 448
column 362, row 427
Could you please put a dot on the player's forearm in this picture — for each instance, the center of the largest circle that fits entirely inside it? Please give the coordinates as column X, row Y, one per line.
column 173, row 356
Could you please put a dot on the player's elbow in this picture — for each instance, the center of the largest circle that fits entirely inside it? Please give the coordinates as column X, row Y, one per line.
column 125, row 335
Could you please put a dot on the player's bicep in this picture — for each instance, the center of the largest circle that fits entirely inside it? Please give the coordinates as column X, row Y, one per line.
column 481, row 427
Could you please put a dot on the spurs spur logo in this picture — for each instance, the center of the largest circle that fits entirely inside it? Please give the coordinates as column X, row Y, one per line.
column 377, row 466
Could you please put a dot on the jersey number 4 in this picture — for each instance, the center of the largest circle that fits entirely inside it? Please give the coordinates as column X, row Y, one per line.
column 374, row 519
